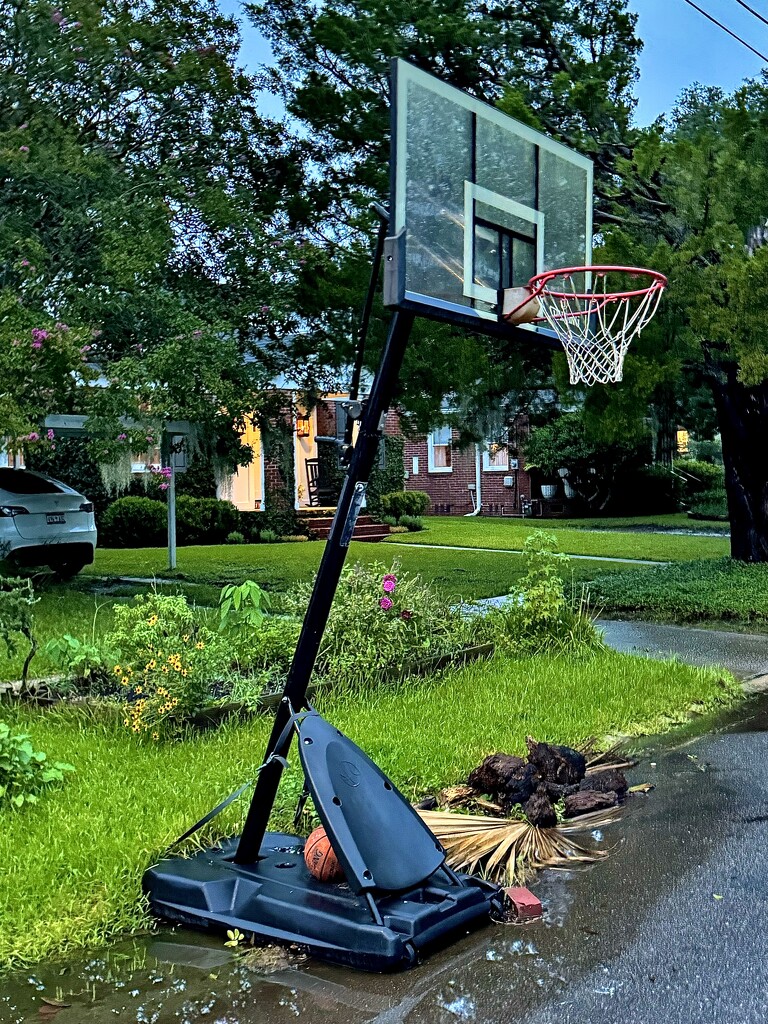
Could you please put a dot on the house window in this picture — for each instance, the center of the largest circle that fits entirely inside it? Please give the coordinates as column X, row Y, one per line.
column 495, row 457
column 439, row 450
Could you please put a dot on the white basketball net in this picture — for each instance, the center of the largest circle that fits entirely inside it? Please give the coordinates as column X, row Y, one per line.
column 596, row 329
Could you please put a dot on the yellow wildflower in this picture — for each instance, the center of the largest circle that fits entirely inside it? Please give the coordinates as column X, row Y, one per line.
column 165, row 668
column 185, row 638
column 199, row 645
column 183, row 671
column 155, row 735
column 125, row 680
column 117, row 670
column 152, row 620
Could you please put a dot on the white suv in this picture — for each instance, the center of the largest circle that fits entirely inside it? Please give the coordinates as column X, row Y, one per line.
column 44, row 522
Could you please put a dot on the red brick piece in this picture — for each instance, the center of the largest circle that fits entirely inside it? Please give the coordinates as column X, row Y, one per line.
column 525, row 903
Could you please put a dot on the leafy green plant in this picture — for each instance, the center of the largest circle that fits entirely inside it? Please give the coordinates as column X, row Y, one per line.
column 87, row 663
column 235, row 537
column 268, row 537
column 169, row 661
column 24, row 771
column 17, row 599
column 538, row 615
column 389, row 520
column 243, row 605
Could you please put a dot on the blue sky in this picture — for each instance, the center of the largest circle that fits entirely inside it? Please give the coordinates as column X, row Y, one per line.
column 681, row 47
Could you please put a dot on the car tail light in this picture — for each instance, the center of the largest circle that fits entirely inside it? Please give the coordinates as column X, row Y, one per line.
column 9, row 511
column 87, row 506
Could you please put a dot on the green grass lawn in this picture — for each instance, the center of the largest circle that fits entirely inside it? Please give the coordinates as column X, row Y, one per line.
column 511, row 533
column 669, row 521
column 72, row 864
column 712, row 590
column 459, row 575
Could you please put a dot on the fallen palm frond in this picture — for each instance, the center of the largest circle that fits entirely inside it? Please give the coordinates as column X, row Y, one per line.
column 602, row 760
column 505, row 849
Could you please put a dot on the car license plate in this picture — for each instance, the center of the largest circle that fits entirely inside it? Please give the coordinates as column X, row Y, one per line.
column 55, row 519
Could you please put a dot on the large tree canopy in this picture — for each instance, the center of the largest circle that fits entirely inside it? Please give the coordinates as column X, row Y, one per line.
column 564, row 67
column 711, row 166
column 140, row 206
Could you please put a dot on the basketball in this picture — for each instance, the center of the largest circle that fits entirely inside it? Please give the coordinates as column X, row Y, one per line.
column 320, row 858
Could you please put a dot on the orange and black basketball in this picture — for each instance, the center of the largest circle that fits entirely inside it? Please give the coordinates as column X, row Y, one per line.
column 320, row 858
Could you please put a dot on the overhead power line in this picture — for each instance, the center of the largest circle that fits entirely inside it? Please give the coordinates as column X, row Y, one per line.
column 720, row 25
column 751, row 10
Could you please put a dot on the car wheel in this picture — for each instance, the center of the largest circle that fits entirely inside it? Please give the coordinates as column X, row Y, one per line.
column 66, row 570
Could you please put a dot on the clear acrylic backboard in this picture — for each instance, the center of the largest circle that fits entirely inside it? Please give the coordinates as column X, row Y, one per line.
column 480, row 202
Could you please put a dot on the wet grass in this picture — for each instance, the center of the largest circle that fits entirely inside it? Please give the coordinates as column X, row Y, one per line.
column 510, row 534
column 719, row 590
column 72, row 865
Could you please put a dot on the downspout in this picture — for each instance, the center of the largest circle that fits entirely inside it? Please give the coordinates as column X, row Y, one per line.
column 478, row 498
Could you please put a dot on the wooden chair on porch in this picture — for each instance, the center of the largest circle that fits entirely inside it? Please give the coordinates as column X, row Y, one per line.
column 319, row 491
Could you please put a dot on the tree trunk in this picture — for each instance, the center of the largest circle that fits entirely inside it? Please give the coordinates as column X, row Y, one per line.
column 742, row 413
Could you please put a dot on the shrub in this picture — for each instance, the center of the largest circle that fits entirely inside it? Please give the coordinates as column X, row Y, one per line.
column 204, row 520
column 24, row 771
column 700, row 476
column 412, row 523
column 649, row 490
column 268, row 537
column 168, row 662
column 404, row 503
column 295, row 538
column 399, row 529
column 389, row 520
column 712, row 503
column 235, row 538
column 135, row 523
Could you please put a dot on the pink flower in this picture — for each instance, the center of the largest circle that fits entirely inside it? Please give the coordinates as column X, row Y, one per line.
column 22, row 127
column 50, row 435
column 57, row 17
column 122, row 437
column 405, row 614
column 23, row 149
column 34, row 436
column 25, row 263
column 96, row 334
column 39, row 335
column 388, row 583
column 85, row 348
column 197, row 334
column 37, row 344
column 385, row 603
column 163, row 487
column 265, row 309
column 62, row 327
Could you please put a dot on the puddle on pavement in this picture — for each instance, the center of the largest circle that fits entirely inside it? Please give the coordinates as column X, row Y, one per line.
column 184, row 977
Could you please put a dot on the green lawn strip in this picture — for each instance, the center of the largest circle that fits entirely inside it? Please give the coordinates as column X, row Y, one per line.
column 510, row 534
column 458, row 574
column 669, row 521
column 718, row 589
column 72, row 864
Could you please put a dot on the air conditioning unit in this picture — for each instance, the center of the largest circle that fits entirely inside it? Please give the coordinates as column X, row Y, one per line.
column 514, row 464
column 509, row 481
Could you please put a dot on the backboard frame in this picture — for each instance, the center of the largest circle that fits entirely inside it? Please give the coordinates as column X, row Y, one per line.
column 397, row 294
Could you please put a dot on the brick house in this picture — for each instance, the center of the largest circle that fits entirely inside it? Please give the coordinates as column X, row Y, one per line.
column 458, row 478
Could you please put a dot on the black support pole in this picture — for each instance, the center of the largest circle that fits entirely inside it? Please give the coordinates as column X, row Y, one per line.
column 316, row 618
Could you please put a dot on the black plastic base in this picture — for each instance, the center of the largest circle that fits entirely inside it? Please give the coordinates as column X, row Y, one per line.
column 277, row 899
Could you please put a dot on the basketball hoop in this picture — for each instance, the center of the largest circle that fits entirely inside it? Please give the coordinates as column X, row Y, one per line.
column 594, row 323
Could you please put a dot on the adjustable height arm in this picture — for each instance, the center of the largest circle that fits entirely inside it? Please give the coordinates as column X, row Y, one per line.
column 316, row 618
